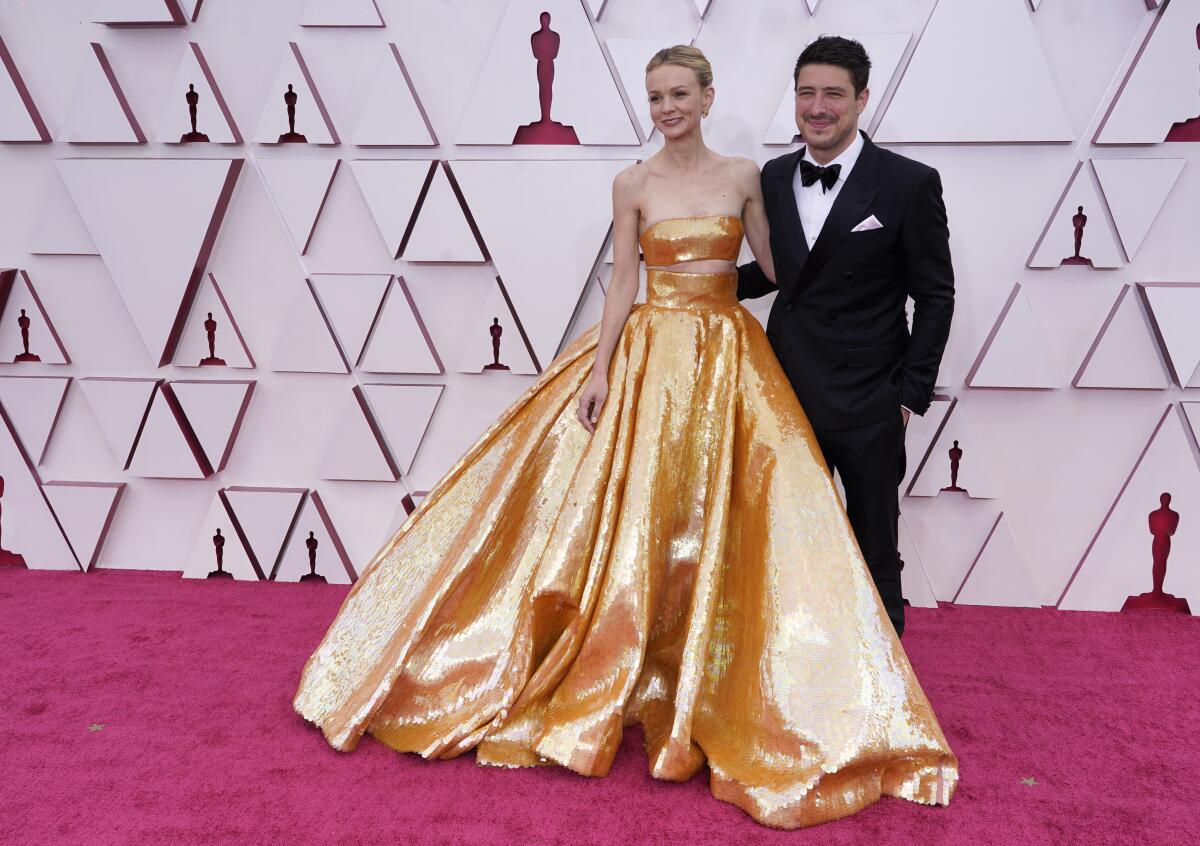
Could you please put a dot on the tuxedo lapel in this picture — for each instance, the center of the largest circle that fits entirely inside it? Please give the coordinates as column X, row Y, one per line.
column 785, row 196
column 848, row 209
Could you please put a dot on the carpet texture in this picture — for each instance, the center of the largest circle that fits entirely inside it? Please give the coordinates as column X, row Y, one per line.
column 143, row 708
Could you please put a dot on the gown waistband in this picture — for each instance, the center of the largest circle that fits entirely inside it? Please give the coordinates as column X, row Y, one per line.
column 674, row 289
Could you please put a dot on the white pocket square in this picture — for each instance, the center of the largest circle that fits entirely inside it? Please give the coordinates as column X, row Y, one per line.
column 867, row 225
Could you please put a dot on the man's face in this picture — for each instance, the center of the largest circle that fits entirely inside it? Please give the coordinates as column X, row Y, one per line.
column 826, row 109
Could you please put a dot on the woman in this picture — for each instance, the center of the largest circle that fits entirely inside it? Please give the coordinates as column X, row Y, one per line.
column 681, row 560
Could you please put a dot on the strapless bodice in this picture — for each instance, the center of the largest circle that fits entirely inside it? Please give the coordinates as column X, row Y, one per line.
column 681, row 239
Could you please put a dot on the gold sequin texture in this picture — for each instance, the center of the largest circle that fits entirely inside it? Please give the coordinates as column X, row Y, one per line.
column 688, row 568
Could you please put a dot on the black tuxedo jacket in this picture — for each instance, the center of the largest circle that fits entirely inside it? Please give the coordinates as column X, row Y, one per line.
column 838, row 325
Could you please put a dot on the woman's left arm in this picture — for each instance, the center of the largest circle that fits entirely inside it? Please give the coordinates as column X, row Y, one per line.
column 754, row 217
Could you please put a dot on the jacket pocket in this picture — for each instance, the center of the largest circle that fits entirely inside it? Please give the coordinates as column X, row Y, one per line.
column 875, row 356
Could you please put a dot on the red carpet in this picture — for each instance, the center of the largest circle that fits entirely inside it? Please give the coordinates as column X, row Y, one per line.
column 142, row 708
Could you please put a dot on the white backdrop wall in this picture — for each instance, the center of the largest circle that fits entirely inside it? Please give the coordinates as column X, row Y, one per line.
column 1068, row 386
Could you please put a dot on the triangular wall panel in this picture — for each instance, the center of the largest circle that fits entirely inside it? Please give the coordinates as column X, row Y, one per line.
column 629, row 57
column 99, row 112
column 914, row 583
column 265, row 516
column 311, row 119
column 545, row 254
column 588, row 313
column 584, row 93
column 58, row 228
column 999, row 71
column 165, row 448
column 1098, row 244
column 351, row 301
column 305, row 343
column 479, row 353
column 20, row 119
column 220, row 529
column 85, row 511
column 356, row 450
column 1162, row 86
column 403, row 413
column 1191, row 414
column 441, row 232
column 1135, row 190
column 120, row 405
column 341, row 13
column 229, row 345
column 29, row 531
column 1118, row 562
column 215, row 411
column 391, row 188
column 1000, row 575
column 21, row 313
column 393, row 115
column 299, row 188
column 919, row 435
column 1016, row 353
column 155, row 243
column 195, row 79
column 138, row 13
column 399, row 341
column 948, row 533
column 327, row 553
column 595, row 8
column 33, row 404
column 1174, row 310
column 935, row 474
column 1124, row 353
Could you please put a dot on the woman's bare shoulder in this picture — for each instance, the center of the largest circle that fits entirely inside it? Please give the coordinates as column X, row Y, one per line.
column 742, row 168
column 632, row 177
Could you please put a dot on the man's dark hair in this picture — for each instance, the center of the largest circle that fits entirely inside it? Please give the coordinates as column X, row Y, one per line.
column 842, row 52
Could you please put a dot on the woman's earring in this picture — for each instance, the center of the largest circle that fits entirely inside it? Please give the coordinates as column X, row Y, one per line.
column 704, row 113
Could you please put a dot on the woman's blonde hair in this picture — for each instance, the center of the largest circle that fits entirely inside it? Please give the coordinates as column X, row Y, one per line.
column 686, row 56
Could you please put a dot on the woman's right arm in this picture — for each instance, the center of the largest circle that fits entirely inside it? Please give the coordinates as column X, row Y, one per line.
column 618, row 300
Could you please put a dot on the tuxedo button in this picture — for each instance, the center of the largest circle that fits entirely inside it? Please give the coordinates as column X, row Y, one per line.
column 849, row 274
column 833, row 316
column 791, row 306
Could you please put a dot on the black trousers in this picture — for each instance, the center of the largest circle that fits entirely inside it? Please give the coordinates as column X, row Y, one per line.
column 870, row 461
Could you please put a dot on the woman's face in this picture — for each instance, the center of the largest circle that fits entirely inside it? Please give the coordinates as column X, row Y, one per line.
column 676, row 99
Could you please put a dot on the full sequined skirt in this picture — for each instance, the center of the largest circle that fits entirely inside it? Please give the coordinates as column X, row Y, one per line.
column 687, row 567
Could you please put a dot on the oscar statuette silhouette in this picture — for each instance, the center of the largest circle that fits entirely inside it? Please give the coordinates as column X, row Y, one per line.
column 210, row 329
column 955, row 452
column 496, row 330
column 291, row 136
column 1163, row 523
column 193, row 98
column 544, row 130
column 23, row 322
column 219, row 549
column 1078, row 221
column 7, row 558
column 312, row 575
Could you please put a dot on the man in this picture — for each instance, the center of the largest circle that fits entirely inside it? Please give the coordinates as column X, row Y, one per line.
column 855, row 231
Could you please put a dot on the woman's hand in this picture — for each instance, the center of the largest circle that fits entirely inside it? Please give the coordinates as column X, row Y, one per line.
column 595, row 392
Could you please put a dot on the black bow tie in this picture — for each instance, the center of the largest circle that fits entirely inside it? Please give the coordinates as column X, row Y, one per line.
column 810, row 173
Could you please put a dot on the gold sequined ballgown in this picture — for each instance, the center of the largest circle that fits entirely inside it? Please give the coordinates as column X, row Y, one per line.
column 688, row 567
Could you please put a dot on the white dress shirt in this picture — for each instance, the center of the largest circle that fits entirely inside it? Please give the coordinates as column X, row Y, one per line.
column 814, row 202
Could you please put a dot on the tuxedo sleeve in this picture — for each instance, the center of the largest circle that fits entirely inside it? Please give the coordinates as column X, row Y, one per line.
column 930, row 276
column 752, row 282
